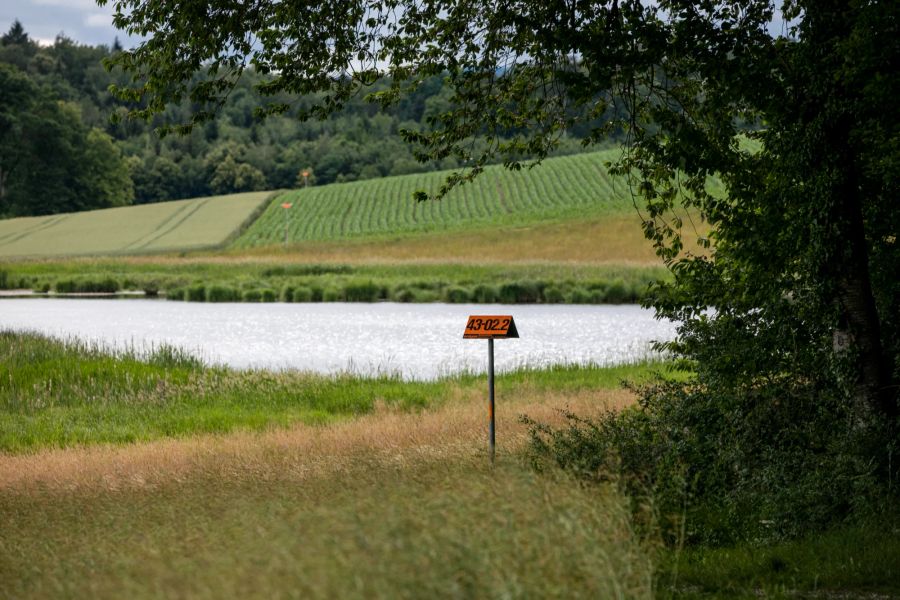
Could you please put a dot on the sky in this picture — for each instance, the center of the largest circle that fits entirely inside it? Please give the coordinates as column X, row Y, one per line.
column 80, row 20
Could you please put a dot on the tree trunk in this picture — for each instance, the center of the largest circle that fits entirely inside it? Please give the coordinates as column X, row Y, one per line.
column 875, row 394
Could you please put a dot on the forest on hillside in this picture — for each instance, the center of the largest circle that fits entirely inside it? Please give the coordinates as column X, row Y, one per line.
column 60, row 150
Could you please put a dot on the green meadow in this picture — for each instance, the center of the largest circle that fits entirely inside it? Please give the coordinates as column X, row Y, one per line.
column 163, row 227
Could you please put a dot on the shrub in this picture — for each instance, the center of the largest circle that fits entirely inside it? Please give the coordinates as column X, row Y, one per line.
column 302, row 294
column 521, row 292
column 318, row 294
column 554, row 295
column 618, row 293
column 403, row 294
column 65, row 286
column 287, row 293
column 457, row 295
column 578, row 295
column 763, row 463
column 196, row 293
column 86, row 286
column 306, row 270
column 218, row 293
column 269, row 295
column 485, row 294
column 426, row 296
column 4, row 280
column 251, row 295
column 333, row 295
column 175, row 293
column 151, row 289
column 362, row 292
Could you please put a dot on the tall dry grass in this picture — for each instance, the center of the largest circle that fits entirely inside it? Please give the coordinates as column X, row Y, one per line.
column 391, row 505
column 455, row 430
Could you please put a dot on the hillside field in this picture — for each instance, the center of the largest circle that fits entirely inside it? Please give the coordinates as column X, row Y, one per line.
column 162, row 227
column 561, row 189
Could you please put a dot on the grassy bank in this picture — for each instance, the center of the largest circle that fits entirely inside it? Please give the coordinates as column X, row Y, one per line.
column 59, row 394
column 424, row 528
column 218, row 280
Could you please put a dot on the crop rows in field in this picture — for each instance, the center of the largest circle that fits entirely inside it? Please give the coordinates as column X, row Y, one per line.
column 569, row 186
column 166, row 226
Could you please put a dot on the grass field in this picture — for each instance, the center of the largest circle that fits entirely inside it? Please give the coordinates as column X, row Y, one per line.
column 389, row 497
column 163, row 227
column 561, row 189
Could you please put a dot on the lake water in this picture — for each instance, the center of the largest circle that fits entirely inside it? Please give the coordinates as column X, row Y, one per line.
column 418, row 341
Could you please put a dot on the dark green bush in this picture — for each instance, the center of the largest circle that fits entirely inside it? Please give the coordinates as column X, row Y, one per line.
column 175, row 293
column 520, row 292
column 579, row 295
column 333, row 294
column 306, row 270
column 420, row 295
column 251, row 295
column 151, row 288
column 362, row 292
column 219, row 293
column 457, row 295
column 619, row 293
column 403, row 294
column 4, row 280
column 86, row 286
column 269, row 295
column 196, row 293
column 554, row 295
column 302, row 294
column 65, row 286
column 287, row 293
column 485, row 294
column 767, row 463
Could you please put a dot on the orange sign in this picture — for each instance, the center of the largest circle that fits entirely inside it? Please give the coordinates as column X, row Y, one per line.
column 286, row 205
column 490, row 327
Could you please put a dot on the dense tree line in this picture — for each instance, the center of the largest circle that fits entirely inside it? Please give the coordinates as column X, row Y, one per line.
column 61, row 151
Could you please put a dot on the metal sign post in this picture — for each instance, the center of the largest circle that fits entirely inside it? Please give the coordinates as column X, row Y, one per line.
column 490, row 327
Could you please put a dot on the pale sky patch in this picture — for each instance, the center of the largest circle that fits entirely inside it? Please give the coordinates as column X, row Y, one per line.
column 80, row 20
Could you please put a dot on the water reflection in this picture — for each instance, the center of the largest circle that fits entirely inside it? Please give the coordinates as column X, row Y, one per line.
column 419, row 341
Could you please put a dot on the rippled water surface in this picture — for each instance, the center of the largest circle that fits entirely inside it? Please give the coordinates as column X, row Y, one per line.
column 419, row 341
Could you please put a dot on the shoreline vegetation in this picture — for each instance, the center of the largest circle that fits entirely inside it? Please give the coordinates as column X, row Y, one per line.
column 238, row 281
column 58, row 393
